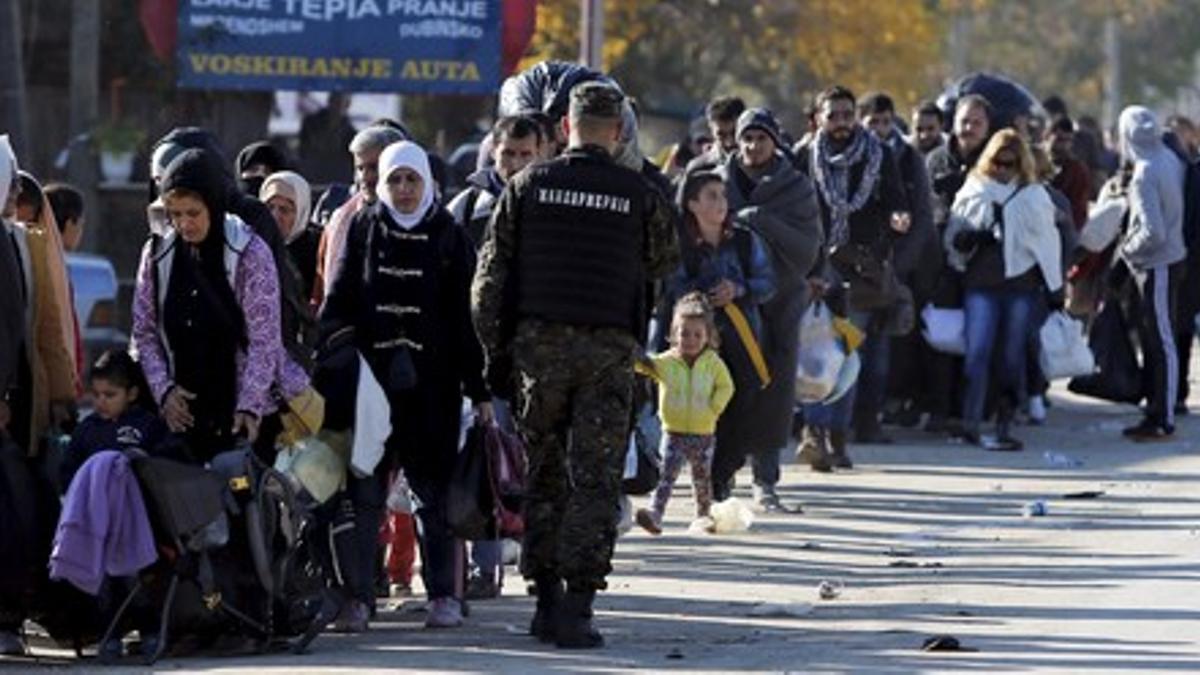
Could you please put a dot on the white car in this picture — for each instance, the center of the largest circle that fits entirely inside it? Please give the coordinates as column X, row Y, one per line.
column 95, row 288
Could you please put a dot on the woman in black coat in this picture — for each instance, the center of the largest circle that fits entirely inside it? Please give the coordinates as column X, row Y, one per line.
column 403, row 288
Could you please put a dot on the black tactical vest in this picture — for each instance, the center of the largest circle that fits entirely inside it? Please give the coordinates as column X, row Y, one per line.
column 580, row 242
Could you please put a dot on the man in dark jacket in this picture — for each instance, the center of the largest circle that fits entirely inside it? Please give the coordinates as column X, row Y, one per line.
column 722, row 114
column 324, row 137
column 14, row 374
column 948, row 166
column 563, row 334
column 918, row 255
column 12, row 294
column 778, row 203
column 863, row 210
column 927, row 128
column 516, row 142
column 1071, row 176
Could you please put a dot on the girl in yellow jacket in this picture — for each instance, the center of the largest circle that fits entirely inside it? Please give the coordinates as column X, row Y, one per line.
column 694, row 387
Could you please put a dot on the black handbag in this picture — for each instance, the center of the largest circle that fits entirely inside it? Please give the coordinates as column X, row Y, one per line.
column 470, row 501
column 871, row 275
column 648, row 472
column 1118, row 377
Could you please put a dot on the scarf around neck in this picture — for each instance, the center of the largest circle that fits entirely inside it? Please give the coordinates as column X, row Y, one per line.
column 831, row 173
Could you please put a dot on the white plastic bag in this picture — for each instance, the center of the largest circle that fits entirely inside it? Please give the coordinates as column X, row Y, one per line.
column 945, row 329
column 1103, row 223
column 1065, row 352
column 847, row 377
column 399, row 499
column 731, row 516
column 821, row 355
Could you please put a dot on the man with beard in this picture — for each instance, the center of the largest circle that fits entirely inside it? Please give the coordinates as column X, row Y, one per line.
column 365, row 149
column 722, row 114
column 948, row 167
column 863, row 211
column 927, row 124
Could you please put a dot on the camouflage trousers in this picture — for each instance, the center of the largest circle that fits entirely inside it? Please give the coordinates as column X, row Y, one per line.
column 574, row 389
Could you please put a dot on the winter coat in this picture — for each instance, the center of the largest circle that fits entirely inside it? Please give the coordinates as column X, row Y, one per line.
column 782, row 209
column 1154, row 236
column 49, row 327
column 250, row 269
column 918, row 254
column 948, row 168
column 12, row 304
column 749, row 266
column 1030, row 236
column 136, row 429
column 690, row 398
column 483, row 188
column 423, row 273
column 871, row 223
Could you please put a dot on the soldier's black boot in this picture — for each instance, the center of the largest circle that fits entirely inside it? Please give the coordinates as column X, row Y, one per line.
column 549, row 597
column 573, row 625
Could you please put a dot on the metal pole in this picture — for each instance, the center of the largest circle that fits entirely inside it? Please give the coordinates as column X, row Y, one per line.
column 1112, row 75
column 12, row 78
column 960, row 36
column 591, row 34
column 85, row 109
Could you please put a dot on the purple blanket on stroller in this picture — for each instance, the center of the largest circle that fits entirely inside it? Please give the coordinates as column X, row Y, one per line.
column 104, row 528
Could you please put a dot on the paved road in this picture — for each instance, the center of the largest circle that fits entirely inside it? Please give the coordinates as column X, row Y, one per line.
column 927, row 537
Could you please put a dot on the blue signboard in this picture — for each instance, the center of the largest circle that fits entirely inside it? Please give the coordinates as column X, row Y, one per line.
column 396, row 46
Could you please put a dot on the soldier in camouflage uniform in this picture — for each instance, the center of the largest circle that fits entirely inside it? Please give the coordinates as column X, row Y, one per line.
column 558, row 304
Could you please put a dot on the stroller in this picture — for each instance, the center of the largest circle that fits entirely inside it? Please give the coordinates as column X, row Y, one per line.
column 236, row 555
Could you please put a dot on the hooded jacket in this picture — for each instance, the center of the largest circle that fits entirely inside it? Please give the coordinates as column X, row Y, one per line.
column 1154, row 236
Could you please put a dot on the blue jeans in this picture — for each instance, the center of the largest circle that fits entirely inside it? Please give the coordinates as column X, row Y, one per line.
column 1006, row 314
column 872, row 380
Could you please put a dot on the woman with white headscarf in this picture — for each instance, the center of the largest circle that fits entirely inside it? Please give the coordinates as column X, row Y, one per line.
column 289, row 198
column 403, row 288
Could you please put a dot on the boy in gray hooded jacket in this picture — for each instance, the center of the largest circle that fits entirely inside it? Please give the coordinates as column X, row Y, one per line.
column 1153, row 247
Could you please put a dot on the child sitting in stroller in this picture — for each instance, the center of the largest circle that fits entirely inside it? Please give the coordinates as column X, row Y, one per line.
column 122, row 420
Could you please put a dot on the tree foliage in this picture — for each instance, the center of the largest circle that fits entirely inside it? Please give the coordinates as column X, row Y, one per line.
column 1058, row 47
column 674, row 54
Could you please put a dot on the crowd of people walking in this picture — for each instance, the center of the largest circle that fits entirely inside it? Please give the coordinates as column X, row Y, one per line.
column 534, row 296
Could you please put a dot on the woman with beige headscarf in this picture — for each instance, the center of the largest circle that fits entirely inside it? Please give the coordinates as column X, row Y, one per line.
column 289, row 197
